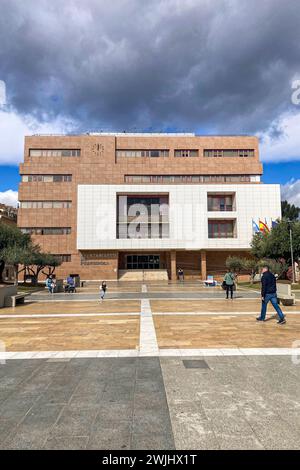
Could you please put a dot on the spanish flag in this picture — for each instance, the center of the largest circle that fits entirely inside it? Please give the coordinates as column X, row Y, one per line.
column 263, row 227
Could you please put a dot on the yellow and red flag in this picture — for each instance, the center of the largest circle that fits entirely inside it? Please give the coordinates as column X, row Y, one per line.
column 263, row 227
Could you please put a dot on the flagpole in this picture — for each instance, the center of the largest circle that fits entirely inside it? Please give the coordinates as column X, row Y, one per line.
column 292, row 251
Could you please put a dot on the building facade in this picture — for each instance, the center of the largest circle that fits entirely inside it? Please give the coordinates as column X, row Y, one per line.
column 118, row 205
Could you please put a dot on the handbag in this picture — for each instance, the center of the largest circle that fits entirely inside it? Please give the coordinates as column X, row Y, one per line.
column 224, row 285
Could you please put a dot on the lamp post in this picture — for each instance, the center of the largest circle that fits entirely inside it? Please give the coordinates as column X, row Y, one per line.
column 292, row 251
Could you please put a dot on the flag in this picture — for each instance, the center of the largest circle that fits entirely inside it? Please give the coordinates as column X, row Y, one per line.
column 263, row 227
column 255, row 227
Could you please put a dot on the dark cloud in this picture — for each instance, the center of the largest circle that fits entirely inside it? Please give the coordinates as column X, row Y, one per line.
column 220, row 66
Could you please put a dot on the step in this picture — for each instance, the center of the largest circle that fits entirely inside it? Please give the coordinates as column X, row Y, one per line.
column 143, row 275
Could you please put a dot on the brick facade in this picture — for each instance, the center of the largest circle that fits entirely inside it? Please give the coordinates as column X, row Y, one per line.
column 99, row 165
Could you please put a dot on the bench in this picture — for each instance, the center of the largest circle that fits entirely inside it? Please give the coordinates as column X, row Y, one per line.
column 284, row 294
column 13, row 300
column 210, row 282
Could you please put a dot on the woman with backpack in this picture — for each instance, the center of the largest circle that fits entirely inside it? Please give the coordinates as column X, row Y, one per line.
column 228, row 283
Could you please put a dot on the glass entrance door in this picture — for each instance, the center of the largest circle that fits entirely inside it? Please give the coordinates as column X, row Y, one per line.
column 142, row 261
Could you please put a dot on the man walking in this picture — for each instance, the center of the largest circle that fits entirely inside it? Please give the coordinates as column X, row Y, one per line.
column 268, row 294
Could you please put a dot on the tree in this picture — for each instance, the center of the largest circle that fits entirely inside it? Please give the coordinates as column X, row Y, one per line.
column 13, row 255
column 251, row 265
column 234, row 263
column 37, row 261
column 289, row 211
column 276, row 244
column 11, row 238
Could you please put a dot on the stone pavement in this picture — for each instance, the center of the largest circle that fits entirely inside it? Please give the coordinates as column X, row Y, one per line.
column 150, row 403
column 153, row 373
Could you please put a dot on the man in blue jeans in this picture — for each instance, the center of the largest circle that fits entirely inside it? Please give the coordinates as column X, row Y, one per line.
column 268, row 294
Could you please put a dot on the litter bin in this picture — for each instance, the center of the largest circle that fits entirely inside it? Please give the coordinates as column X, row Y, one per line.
column 76, row 278
column 59, row 285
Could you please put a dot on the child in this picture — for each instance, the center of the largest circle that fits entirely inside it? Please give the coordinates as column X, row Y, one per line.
column 103, row 288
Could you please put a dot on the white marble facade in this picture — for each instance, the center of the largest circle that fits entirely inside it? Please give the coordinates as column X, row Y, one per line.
column 188, row 215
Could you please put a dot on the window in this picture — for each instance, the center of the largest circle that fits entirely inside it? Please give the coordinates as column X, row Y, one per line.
column 142, row 153
column 228, row 153
column 143, row 216
column 142, row 261
column 186, row 153
column 47, row 230
column 46, row 178
column 54, row 152
column 221, row 202
column 186, row 179
column 63, row 258
column 221, row 229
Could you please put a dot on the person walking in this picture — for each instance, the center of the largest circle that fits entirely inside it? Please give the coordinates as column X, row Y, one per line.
column 103, row 289
column 269, row 294
column 229, row 283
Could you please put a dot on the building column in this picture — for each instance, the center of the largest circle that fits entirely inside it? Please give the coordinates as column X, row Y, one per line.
column 173, row 266
column 203, row 265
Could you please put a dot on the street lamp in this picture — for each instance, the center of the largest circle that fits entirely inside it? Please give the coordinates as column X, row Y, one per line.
column 292, row 251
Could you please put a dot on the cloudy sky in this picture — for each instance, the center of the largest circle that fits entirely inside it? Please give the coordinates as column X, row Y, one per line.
column 209, row 66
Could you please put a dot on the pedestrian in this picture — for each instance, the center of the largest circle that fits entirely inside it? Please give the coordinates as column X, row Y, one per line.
column 103, row 288
column 70, row 287
column 228, row 283
column 53, row 285
column 269, row 294
column 180, row 274
column 48, row 284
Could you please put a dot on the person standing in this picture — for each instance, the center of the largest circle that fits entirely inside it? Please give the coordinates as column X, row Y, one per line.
column 48, row 284
column 229, row 283
column 53, row 285
column 103, row 289
column 180, row 275
column 269, row 294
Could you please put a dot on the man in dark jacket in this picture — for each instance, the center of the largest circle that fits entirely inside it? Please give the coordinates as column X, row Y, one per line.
column 268, row 294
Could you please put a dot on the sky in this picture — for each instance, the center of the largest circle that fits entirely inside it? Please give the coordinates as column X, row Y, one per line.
column 203, row 66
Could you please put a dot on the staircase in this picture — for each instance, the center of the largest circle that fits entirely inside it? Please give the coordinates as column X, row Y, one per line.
column 143, row 275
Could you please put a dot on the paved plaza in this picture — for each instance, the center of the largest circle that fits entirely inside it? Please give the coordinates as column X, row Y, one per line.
column 172, row 367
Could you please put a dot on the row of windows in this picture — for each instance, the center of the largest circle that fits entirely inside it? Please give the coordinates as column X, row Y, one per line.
column 63, row 258
column 47, row 230
column 228, row 153
column 46, row 178
column 168, row 179
column 216, row 229
column 54, row 152
column 142, row 153
column 147, row 153
column 45, row 204
column 187, row 153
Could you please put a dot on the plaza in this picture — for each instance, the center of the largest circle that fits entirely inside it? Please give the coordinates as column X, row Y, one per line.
column 153, row 366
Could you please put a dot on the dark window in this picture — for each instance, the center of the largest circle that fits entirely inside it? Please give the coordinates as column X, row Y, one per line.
column 186, row 153
column 220, row 202
column 221, row 229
